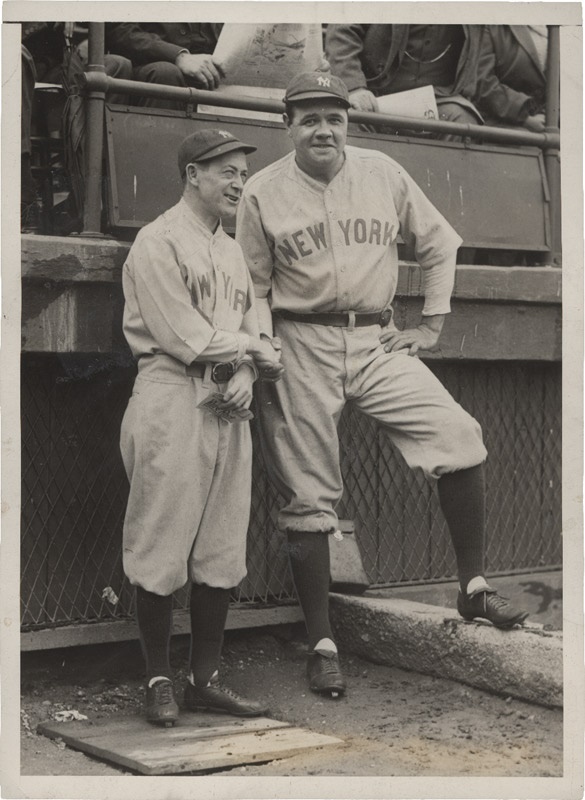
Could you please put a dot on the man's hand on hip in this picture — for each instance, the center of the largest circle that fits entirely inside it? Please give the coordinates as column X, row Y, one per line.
column 423, row 337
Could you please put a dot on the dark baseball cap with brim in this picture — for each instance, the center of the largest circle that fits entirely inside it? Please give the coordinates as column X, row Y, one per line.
column 316, row 86
column 208, row 143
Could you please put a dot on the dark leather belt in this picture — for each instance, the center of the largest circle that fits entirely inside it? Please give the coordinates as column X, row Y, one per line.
column 220, row 372
column 339, row 319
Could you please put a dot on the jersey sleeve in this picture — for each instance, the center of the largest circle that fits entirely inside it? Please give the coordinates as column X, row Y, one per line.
column 255, row 244
column 163, row 301
column 434, row 241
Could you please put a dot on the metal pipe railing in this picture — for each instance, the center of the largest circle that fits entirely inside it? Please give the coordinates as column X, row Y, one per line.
column 92, row 207
column 552, row 153
column 102, row 83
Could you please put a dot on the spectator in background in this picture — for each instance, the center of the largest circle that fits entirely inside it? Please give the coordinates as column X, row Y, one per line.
column 511, row 75
column 28, row 187
column 175, row 54
column 375, row 60
column 50, row 56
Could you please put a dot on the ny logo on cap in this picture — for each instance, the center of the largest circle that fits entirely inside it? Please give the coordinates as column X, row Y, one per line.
column 225, row 134
column 324, row 81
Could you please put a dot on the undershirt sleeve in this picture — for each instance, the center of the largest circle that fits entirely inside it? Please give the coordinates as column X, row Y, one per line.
column 434, row 241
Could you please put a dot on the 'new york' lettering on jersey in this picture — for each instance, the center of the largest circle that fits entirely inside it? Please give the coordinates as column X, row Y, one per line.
column 316, row 247
column 355, row 231
column 183, row 282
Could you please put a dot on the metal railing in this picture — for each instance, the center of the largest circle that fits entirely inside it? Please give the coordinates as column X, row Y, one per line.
column 98, row 85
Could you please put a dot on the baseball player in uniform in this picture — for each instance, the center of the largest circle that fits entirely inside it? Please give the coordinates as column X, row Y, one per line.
column 319, row 232
column 191, row 322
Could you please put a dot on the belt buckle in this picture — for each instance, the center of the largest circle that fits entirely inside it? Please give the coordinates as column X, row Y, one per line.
column 385, row 317
column 223, row 372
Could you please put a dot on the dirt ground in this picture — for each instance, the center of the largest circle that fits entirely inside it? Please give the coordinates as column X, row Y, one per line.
column 392, row 722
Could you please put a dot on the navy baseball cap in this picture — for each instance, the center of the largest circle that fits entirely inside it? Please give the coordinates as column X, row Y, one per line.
column 206, row 144
column 316, row 86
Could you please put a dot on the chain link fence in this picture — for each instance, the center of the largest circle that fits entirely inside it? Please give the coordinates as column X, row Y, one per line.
column 74, row 489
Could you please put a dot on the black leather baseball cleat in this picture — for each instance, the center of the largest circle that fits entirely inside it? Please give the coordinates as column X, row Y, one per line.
column 161, row 708
column 486, row 603
column 221, row 700
column 324, row 674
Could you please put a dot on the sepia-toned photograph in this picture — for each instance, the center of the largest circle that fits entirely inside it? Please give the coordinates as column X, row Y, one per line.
column 292, row 400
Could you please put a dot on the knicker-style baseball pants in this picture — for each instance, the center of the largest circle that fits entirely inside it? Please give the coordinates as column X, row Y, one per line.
column 324, row 368
column 190, row 483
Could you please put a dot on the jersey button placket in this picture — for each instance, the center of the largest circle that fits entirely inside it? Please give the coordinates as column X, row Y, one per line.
column 332, row 233
column 328, row 206
column 218, row 311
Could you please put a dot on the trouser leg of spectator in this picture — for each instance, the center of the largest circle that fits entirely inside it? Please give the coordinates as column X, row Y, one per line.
column 462, row 496
column 453, row 112
column 121, row 68
column 310, row 566
column 209, row 608
column 154, row 614
column 160, row 72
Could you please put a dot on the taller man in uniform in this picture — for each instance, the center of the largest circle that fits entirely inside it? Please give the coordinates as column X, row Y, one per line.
column 191, row 322
column 319, row 232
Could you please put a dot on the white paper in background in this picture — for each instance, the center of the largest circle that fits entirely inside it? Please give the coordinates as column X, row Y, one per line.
column 413, row 103
column 268, row 54
column 264, row 92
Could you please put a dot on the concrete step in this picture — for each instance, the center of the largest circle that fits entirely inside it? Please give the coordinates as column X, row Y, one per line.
column 526, row 663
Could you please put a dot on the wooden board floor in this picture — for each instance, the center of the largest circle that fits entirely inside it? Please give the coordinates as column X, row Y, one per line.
column 198, row 742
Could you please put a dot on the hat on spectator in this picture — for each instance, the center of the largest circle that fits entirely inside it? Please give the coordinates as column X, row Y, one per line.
column 206, row 144
column 316, row 86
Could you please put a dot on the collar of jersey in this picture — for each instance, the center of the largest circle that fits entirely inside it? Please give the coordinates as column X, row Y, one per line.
column 192, row 219
column 301, row 176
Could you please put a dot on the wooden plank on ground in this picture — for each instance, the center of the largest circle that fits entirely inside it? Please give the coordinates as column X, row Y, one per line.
column 198, row 742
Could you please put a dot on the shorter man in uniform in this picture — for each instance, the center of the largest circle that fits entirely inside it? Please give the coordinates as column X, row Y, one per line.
column 191, row 322
column 319, row 230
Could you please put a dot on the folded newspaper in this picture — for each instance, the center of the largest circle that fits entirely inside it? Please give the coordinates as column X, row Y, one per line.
column 417, row 103
column 268, row 54
column 259, row 60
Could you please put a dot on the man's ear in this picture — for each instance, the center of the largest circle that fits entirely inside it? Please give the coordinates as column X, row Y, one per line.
column 287, row 121
column 191, row 174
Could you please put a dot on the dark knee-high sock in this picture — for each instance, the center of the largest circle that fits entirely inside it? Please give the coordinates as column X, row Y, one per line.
column 209, row 608
column 310, row 565
column 462, row 496
column 154, row 614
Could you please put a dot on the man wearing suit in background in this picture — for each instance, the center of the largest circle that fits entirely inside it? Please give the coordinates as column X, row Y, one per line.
column 171, row 53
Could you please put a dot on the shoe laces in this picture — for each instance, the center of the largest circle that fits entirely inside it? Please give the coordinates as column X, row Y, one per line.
column 497, row 601
column 164, row 691
column 226, row 690
column 329, row 663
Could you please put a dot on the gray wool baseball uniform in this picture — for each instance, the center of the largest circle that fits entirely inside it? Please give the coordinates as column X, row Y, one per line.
column 312, row 247
column 189, row 298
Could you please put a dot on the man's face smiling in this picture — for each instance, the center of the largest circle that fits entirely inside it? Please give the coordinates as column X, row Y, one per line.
column 220, row 183
column 318, row 129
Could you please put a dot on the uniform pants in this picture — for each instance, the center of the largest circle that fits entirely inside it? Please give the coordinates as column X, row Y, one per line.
column 190, row 483
column 324, row 368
